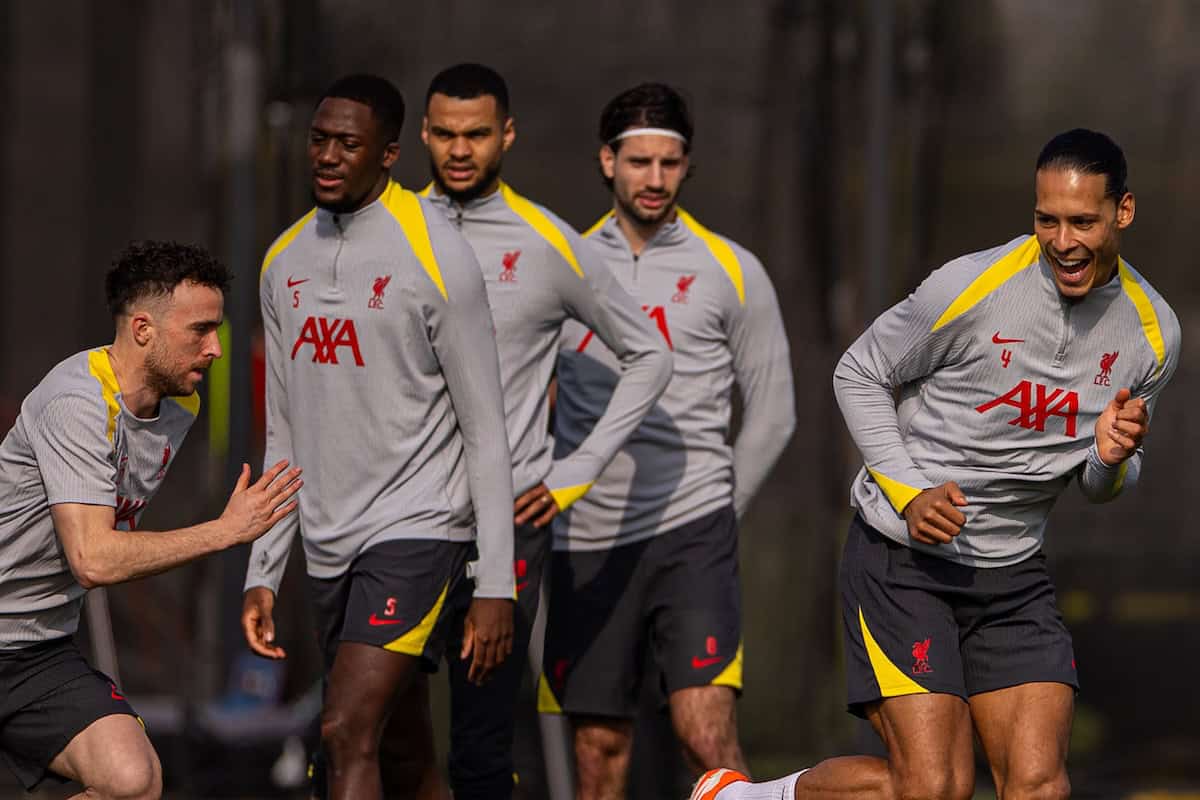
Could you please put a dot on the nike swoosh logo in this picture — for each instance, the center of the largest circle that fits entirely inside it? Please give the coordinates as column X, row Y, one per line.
column 374, row 620
column 292, row 283
column 521, row 586
column 701, row 663
column 117, row 695
column 997, row 340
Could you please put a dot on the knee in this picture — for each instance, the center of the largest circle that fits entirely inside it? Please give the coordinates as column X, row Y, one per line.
column 1042, row 785
column 934, row 784
column 345, row 736
column 137, row 778
column 596, row 745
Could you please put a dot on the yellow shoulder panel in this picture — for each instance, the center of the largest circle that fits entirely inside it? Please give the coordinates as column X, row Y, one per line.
column 892, row 682
column 720, row 250
column 991, row 279
column 427, row 190
column 534, row 217
column 1145, row 309
column 597, row 225
column 285, row 240
column 406, row 208
column 190, row 403
column 412, row 643
column 101, row 369
column 898, row 494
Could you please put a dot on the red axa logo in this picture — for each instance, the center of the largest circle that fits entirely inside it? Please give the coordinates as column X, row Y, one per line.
column 509, row 273
column 681, row 289
column 162, row 471
column 920, row 652
column 1037, row 404
column 378, row 288
column 328, row 336
column 1106, row 362
column 127, row 510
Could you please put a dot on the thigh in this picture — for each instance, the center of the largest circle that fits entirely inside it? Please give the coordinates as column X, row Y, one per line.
column 595, row 633
column 1025, row 731
column 407, row 596
column 51, row 696
column 1014, row 632
column 106, row 752
column 694, row 602
column 901, row 635
column 929, row 742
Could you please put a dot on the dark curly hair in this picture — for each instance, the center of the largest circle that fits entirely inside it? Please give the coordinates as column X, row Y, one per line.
column 468, row 81
column 148, row 268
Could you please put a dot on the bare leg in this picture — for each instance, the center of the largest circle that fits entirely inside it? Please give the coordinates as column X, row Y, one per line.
column 705, row 720
column 363, row 685
column 113, row 760
column 1025, row 731
column 407, row 753
column 603, row 746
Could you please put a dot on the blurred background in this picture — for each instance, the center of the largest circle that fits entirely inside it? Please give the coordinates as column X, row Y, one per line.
column 853, row 146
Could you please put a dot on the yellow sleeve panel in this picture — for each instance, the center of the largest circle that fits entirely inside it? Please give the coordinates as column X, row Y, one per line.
column 406, row 208
column 547, row 703
column 1120, row 481
column 991, row 279
column 1145, row 309
column 102, row 371
column 597, row 225
column 566, row 496
column 285, row 239
column 427, row 190
column 534, row 217
column 720, row 250
column 413, row 641
column 892, row 682
column 898, row 494
column 731, row 676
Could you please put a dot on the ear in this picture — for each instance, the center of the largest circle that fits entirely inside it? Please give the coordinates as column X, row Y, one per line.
column 391, row 152
column 509, row 135
column 1125, row 210
column 608, row 162
column 425, row 130
column 140, row 325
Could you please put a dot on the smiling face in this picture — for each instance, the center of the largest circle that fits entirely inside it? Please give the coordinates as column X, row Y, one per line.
column 647, row 172
column 1079, row 228
column 348, row 155
column 467, row 140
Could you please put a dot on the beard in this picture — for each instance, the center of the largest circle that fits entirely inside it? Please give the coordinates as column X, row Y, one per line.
column 643, row 217
column 160, row 378
column 463, row 196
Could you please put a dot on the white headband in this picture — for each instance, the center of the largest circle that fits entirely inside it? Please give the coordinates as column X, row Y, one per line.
column 649, row 132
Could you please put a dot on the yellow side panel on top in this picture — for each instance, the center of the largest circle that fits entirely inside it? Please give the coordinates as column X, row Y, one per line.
column 991, row 279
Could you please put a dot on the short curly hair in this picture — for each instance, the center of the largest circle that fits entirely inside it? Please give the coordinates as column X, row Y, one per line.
column 148, row 268
column 649, row 105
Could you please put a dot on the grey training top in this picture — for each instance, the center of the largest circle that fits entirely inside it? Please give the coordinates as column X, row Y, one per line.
column 716, row 310
column 1000, row 381
column 382, row 384
column 540, row 273
column 73, row 442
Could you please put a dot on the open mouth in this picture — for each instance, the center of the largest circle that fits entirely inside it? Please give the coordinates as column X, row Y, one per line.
column 459, row 173
column 327, row 182
column 1071, row 271
column 653, row 202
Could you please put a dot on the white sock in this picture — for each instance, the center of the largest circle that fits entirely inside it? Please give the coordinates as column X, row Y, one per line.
column 778, row 789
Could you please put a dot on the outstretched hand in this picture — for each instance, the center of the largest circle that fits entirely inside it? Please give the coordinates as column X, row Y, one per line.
column 253, row 509
column 1121, row 427
column 933, row 516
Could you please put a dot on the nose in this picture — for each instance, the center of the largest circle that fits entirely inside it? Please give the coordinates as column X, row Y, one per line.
column 656, row 178
column 327, row 152
column 1064, row 238
column 460, row 148
column 212, row 345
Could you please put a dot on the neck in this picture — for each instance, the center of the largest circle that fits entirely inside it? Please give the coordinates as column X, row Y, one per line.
column 374, row 194
column 639, row 233
column 130, row 372
column 461, row 199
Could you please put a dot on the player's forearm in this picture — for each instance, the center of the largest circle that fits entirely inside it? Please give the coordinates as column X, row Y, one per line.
column 105, row 557
column 1102, row 482
column 869, row 409
column 769, row 422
